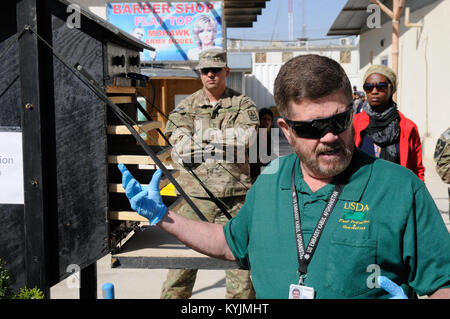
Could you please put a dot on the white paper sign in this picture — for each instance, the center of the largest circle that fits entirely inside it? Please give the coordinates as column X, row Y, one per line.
column 11, row 168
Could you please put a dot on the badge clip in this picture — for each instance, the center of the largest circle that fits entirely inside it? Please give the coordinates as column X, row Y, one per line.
column 302, row 279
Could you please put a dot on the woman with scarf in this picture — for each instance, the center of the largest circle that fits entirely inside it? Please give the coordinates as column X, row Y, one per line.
column 380, row 129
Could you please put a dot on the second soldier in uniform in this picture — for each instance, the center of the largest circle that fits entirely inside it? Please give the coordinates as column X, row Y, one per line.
column 202, row 128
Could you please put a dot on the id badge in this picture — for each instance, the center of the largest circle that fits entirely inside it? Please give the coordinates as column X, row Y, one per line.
column 301, row 292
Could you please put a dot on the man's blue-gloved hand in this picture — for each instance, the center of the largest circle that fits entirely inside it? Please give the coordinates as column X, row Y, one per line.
column 145, row 200
column 394, row 290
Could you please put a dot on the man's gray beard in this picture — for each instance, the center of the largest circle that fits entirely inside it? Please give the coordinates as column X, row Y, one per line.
column 337, row 165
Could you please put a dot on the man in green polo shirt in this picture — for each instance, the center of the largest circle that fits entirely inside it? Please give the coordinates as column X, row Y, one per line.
column 331, row 221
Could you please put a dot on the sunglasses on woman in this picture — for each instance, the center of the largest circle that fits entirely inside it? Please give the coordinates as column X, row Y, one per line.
column 316, row 129
column 381, row 86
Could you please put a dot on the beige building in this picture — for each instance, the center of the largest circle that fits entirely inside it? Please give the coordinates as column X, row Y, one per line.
column 424, row 58
column 269, row 57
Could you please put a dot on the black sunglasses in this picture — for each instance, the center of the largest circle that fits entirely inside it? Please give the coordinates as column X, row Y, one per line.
column 205, row 71
column 381, row 86
column 316, row 129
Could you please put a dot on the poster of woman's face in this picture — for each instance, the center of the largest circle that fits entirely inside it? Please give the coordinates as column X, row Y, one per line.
column 205, row 33
column 205, row 30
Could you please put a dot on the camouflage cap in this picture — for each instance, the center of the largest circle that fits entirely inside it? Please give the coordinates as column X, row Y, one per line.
column 213, row 58
column 383, row 70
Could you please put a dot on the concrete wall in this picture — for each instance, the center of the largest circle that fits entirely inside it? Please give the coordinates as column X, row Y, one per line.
column 424, row 63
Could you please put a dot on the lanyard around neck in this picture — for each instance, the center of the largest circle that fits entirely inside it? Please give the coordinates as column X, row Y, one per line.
column 305, row 255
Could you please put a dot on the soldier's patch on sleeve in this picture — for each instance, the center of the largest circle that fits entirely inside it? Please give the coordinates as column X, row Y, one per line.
column 253, row 115
column 442, row 143
column 179, row 108
column 439, row 149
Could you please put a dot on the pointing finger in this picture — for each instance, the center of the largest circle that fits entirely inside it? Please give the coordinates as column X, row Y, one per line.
column 122, row 168
column 126, row 175
column 126, row 178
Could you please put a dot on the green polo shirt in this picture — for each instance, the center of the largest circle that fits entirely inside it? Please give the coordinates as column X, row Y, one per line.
column 384, row 223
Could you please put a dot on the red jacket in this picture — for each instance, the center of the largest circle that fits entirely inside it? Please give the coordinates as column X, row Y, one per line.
column 410, row 146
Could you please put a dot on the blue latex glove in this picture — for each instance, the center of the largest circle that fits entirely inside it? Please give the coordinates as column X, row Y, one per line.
column 145, row 200
column 394, row 290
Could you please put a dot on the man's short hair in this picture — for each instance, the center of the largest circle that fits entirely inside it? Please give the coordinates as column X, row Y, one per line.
column 309, row 76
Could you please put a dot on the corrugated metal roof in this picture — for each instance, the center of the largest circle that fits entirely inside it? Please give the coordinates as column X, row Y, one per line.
column 241, row 13
column 352, row 18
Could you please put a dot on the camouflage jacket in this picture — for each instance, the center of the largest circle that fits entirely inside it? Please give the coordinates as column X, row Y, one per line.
column 213, row 140
column 442, row 156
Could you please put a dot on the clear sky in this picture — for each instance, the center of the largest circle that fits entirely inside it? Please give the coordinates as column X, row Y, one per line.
column 272, row 24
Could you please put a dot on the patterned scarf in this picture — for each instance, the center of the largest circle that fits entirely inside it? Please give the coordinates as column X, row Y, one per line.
column 384, row 131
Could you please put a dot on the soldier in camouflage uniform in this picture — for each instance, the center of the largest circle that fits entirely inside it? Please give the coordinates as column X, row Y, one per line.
column 211, row 131
column 442, row 159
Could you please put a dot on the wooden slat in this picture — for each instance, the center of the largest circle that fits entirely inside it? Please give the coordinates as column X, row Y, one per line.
column 139, row 159
column 123, row 130
column 120, row 89
column 126, row 215
column 153, row 166
column 130, row 159
column 121, row 99
column 117, row 188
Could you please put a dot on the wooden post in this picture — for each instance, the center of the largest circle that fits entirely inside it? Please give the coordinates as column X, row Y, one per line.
column 164, row 108
column 395, row 14
column 398, row 8
column 34, row 154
